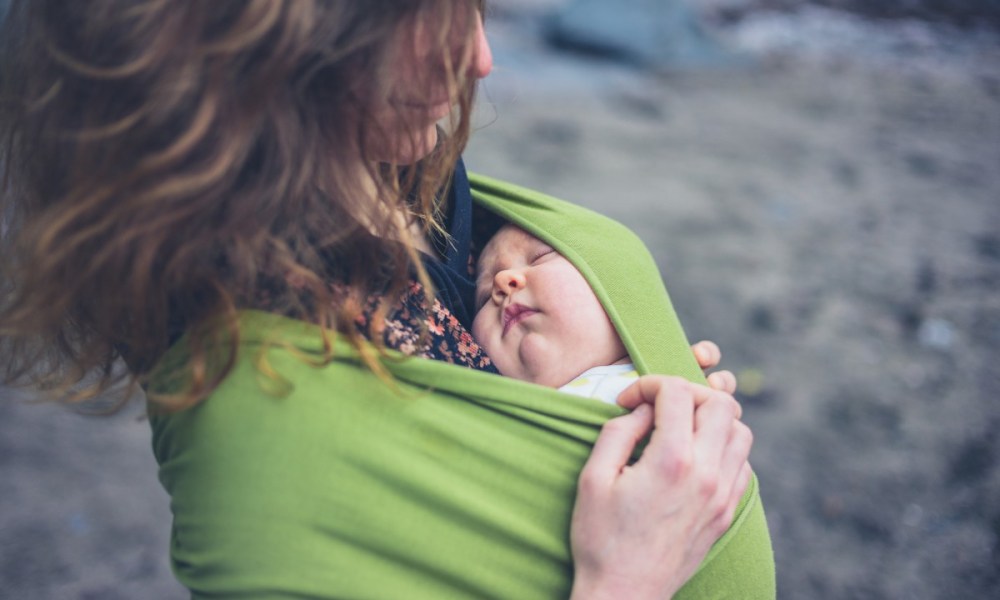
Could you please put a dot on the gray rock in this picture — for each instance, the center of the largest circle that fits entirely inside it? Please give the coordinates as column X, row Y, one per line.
column 962, row 12
column 655, row 33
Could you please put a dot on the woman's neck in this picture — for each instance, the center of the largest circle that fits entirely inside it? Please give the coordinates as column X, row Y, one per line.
column 409, row 230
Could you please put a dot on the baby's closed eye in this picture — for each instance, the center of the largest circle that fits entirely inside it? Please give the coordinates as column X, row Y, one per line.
column 541, row 253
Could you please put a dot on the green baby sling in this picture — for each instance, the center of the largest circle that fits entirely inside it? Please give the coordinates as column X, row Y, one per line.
column 455, row 484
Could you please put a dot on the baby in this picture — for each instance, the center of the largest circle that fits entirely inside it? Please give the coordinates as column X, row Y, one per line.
column 539, row 320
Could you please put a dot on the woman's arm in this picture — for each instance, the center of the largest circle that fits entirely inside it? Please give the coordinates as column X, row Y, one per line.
column 641, row 530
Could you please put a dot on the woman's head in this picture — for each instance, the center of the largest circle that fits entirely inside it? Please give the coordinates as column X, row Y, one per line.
column 166, row 161
column 424, row 89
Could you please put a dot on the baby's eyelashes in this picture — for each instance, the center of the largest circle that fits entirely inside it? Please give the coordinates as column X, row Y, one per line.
column 542, row 253
column 487, row 279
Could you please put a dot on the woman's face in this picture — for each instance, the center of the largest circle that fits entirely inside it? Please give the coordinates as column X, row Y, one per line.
column 423, row 88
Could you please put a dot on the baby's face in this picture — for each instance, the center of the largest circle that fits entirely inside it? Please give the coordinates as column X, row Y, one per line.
column 538, row 318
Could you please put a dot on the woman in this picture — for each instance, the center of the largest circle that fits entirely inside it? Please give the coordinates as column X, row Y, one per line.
column 243, row 200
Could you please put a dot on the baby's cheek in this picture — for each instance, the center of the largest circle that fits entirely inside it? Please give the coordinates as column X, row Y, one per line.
column 479, row 329
column 482, row 334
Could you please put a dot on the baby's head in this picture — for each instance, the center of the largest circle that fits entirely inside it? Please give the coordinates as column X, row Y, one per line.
column 538, row 318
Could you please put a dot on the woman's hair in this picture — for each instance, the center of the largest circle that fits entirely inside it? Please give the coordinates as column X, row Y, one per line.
column 166, row 163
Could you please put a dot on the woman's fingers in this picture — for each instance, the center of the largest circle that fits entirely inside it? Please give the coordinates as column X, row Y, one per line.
column 673, row 400
column 697, row 434
column 733, row 472
column 632, row 396
column 732, row 476
column 740, row 487
column 704, row 394
column 736, row 453
column 648, row 388
column 707, row 354
column 721, row 446
column 724, row 381
column 730, row 501
column 714, row 421
column 615, row 445
column 642, row 531
column 682, row 410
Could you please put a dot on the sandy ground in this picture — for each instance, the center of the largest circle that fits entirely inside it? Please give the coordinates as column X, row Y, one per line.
column 830, row 216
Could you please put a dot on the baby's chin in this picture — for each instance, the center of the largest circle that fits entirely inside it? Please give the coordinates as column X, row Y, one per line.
column 546, row 373
column 535, row 362
column 544, row 364
column 555, row 375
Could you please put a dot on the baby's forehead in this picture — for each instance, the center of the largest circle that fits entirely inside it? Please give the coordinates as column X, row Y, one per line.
column 509, row 238
column 506, row 245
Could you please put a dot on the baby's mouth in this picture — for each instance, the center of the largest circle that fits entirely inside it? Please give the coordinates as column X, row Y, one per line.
column 514, row 314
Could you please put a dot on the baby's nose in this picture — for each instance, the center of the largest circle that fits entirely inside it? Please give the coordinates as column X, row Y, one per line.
column 506, row 282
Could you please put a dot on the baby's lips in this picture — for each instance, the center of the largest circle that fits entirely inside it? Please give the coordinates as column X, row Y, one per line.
column 513, row 314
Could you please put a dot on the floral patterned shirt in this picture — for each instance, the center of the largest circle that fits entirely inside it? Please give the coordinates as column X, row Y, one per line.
column 442, row 331
column 433, row 333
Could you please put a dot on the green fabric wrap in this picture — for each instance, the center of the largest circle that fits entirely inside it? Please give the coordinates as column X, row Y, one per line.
column 455, row 484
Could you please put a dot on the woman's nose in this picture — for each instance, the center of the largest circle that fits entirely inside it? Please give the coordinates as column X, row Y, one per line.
column 482, row 61
column 506, row 282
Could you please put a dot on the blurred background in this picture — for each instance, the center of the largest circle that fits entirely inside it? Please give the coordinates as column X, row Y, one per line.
column 819, row 181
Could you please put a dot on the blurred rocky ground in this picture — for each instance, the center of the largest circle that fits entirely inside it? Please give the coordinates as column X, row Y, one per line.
column 966, row 13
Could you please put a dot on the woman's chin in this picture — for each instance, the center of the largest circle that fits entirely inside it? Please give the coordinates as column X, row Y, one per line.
column 408, row 149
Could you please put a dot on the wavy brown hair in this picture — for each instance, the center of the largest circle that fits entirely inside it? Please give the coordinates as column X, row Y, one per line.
column 167, row 163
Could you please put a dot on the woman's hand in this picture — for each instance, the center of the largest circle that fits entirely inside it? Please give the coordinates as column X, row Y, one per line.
column 708, row 356
column 641, row 530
